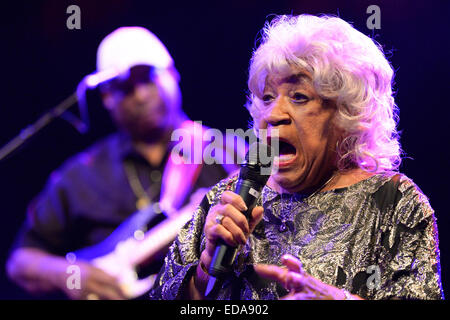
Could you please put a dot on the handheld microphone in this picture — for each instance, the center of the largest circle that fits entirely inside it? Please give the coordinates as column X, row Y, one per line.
column 254, row 173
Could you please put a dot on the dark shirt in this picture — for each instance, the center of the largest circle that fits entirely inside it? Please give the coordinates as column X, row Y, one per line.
column 90, row 196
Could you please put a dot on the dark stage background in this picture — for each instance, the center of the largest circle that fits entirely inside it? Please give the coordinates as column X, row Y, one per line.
column 211, row 43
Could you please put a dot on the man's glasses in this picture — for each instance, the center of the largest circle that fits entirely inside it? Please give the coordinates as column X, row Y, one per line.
column 126, row 83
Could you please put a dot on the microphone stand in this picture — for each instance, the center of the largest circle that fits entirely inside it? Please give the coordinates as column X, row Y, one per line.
column 43, row 121
column 90, row 81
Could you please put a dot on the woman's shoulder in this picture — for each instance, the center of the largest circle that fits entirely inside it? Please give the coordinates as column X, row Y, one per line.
column 373, row 182
column 403, row 184
column 411, row 205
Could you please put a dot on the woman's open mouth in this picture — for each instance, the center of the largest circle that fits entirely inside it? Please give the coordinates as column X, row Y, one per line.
column 286, row 155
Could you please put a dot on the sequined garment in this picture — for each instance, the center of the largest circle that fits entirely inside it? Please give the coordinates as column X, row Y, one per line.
column 340, row 236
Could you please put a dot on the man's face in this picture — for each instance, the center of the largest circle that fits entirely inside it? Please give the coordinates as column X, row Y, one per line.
column 139, row 104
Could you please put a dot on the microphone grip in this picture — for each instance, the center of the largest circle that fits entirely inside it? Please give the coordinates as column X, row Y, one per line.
column 224, row 254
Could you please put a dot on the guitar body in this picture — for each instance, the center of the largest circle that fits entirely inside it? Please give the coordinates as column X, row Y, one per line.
column 128, row 247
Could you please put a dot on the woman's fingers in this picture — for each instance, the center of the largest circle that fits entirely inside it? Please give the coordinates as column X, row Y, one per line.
column 227, row 222
column 218, row 231
column 301, row 285
column 236, row 217
column 257, row 215
column 239, row 234
column 300, row 296
column 228, row 214
column 271, row 272
column 292, row 263
column 231, row 199
column 234, row 199
column 294, row 281
column 289, row 279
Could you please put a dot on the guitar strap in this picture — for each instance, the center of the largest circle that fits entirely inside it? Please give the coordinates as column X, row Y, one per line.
column 182, row 170
column 186, row 160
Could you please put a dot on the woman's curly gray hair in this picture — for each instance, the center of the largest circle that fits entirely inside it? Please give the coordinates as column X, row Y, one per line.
column 348, row 68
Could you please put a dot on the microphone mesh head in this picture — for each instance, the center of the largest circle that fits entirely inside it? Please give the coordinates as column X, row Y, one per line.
column 259, row 154
column 258, row 163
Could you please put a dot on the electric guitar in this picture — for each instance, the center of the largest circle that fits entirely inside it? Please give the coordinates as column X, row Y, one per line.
column 128, row 246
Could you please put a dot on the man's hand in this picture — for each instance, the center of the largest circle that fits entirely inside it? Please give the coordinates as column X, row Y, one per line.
column 95, row 285
column 38, row 272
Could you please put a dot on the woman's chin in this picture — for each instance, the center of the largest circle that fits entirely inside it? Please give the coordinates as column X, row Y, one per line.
column 285, row 181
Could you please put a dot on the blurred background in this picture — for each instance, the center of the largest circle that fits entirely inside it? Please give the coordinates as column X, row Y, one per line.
column 211, row 43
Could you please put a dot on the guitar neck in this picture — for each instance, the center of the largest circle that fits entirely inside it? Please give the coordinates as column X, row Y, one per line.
column 160, row 236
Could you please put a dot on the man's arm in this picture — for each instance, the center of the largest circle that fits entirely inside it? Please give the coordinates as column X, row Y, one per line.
column 36, row 270
column 40, row 272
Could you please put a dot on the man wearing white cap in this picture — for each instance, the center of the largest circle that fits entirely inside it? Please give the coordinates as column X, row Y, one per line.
column 94, row 192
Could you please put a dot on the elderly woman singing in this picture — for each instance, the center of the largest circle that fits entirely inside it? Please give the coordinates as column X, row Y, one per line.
column 336, row 220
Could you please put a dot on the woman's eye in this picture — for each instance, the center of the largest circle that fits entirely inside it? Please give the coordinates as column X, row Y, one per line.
column 299, row 97
column 267, row 98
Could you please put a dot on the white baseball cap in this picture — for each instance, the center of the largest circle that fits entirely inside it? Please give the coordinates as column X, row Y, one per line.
column 127, row 47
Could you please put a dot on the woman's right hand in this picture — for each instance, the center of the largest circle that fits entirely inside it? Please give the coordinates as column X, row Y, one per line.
column 234, row 228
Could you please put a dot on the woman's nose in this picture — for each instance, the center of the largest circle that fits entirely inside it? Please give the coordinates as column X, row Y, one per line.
column 276, row 114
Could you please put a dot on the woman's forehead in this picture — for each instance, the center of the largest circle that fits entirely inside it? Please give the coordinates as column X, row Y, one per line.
column 294, row 77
